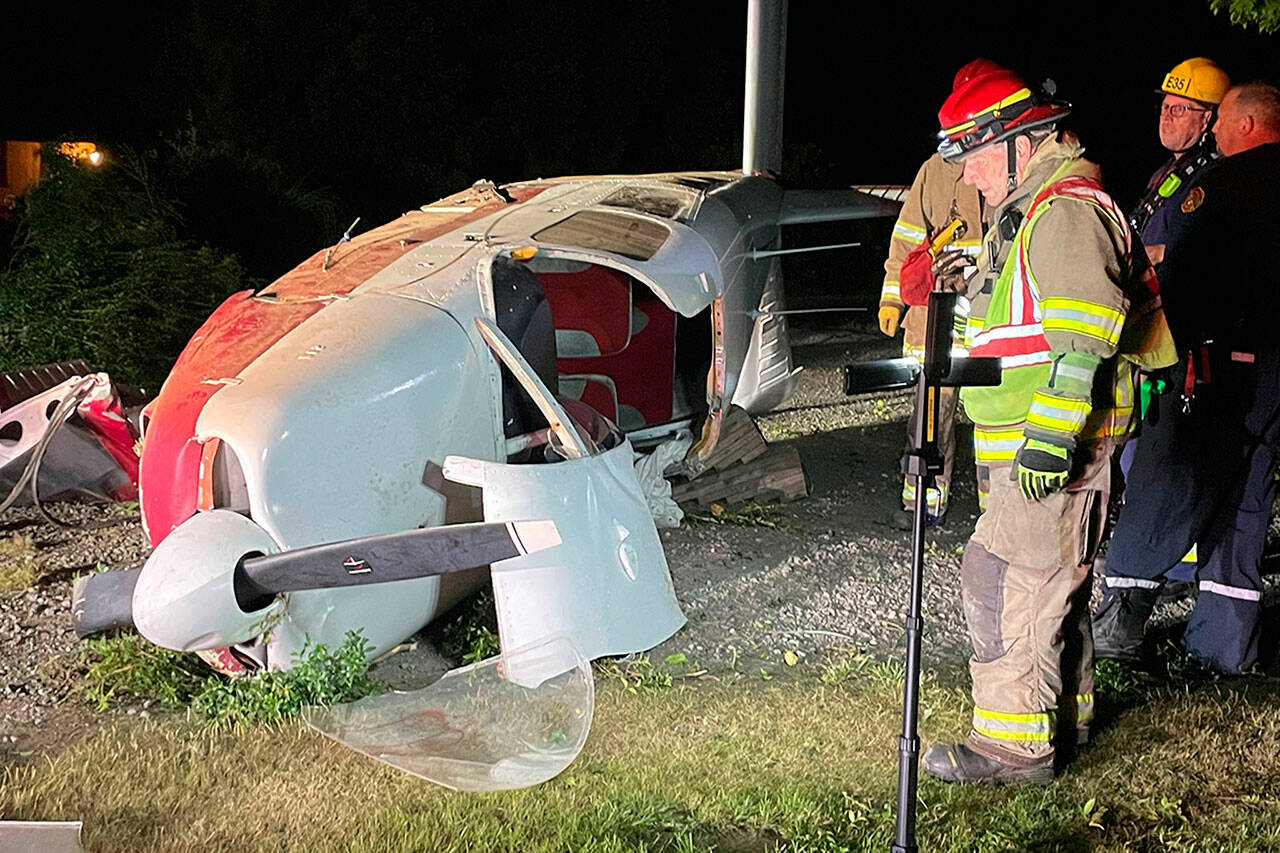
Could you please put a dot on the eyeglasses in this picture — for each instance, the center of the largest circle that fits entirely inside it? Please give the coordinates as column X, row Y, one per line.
column 1177, row 110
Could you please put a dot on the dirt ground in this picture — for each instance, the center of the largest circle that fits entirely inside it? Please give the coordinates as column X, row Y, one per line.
column 797, row 583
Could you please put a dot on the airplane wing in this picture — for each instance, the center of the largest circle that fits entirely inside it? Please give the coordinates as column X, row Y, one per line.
column 805, row 206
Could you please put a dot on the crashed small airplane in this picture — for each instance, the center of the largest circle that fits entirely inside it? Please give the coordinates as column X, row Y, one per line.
column 455, row 396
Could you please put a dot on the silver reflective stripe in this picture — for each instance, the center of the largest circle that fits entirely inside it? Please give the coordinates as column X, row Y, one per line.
column 1231, row 591
column 1122, row 583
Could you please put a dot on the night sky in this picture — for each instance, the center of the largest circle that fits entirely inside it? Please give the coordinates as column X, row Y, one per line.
column 391, row 104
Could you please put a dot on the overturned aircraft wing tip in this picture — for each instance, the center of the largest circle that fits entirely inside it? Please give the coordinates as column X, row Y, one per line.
column 859, row 202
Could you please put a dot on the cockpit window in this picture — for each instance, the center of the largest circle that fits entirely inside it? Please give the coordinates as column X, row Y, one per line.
column 629, row 236
column 670, row 201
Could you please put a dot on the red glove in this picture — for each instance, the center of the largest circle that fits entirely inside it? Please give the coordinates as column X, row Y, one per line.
column 915, row 279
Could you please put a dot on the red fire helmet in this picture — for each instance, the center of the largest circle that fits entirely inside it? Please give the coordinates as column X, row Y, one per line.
column 973, row 69
column 991, row 107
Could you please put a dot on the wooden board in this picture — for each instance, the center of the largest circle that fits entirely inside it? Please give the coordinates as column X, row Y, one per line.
column 773, row 474
column 740, row 441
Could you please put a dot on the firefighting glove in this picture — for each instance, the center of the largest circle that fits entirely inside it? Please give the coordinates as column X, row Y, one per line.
column 948, row 269
column 1042, row 468
column 890, row 317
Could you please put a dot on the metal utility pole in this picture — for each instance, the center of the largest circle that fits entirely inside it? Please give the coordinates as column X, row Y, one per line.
column 765, row 76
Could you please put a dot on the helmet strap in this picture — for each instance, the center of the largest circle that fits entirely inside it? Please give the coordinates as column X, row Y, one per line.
column 1012, row 148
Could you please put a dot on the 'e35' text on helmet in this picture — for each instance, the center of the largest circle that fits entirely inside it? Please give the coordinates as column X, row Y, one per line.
column 1199, row 79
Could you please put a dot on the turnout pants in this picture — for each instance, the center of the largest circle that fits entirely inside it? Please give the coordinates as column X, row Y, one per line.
column 1025, row 588
column 1207, row 479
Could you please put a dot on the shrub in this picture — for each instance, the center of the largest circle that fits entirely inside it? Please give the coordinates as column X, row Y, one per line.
column 100, row 272
column 129, row 666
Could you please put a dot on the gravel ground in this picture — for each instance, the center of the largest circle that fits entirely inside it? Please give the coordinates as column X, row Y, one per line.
column 817, row 577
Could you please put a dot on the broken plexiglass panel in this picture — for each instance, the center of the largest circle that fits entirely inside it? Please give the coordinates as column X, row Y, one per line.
column 601, row 230
column 475, row 729
column 670, row 201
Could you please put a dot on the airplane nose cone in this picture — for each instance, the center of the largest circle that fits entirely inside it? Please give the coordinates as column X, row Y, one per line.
column 185, row 597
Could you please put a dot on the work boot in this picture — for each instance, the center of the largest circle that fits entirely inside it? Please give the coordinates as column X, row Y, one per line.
column 957, row 762
column 1121, row 622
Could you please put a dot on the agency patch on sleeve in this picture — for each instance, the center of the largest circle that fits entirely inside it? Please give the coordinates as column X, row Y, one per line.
column 1194, row 199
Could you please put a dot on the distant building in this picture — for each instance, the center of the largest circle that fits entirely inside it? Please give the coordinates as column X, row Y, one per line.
column 19, row 171
column 20, row 167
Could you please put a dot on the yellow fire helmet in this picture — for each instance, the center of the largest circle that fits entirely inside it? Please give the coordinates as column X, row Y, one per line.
column 1199, row 79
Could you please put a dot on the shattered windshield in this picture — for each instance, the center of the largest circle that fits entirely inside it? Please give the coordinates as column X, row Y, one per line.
column 628, row 236
column 669, row 201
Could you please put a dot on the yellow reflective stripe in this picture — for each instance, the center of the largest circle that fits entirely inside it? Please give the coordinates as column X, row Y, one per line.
column 1190, row 556
column 996, row 445
column 1060, row 414
column 891, row 289
column 934, row 497
column 1103, row 423
column 1122, row 393
column 1016, row 97
column 952, row 131
column 1000, row 725
column 1063, row 314
column 972, row 328
column 1036, row 717
column 1084, row 708
column 907, row 231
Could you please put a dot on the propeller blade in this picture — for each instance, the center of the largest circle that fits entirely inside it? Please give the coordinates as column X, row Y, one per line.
column 103, row 601
column 389, row 557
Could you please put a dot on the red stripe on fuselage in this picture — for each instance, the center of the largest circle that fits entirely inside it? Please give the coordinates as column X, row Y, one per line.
column 242, row 329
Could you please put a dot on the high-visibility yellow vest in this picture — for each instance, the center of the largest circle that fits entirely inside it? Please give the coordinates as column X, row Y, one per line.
column 1017, row 317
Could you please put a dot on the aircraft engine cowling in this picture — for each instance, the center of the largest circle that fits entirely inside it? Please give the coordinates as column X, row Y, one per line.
column 334, row 427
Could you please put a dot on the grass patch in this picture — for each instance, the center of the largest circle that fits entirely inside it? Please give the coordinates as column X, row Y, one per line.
column 19, row 566
column 128, row 668
column 804, row 764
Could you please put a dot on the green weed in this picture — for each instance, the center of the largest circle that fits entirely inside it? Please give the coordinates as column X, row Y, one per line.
column 637, row 674
column 750, row 514
column 318, row 677
column 125, row 508
column 470, row 634
column 129, row 667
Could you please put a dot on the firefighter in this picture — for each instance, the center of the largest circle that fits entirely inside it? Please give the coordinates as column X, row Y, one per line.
column 1054, row 286
column 1192, row 91
column 1205, row 468
column 937, row 196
